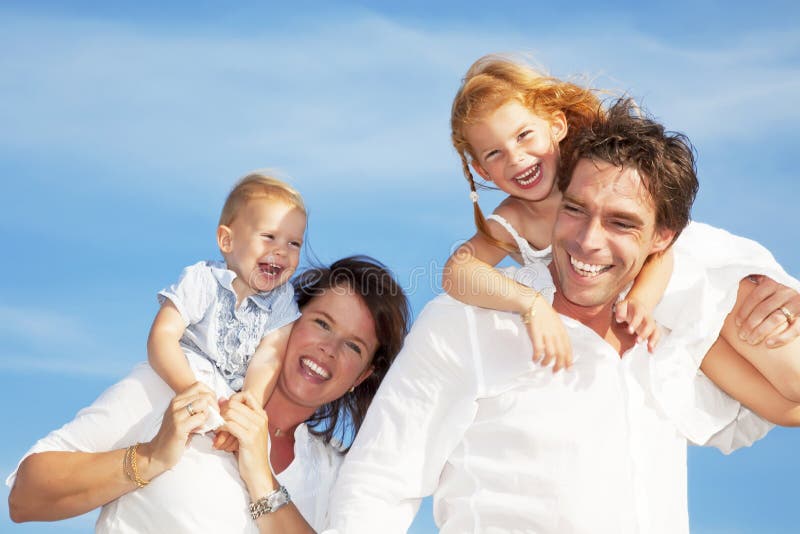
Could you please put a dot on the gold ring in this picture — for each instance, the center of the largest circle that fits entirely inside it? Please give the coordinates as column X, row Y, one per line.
column 190, row 409
column 790, row 317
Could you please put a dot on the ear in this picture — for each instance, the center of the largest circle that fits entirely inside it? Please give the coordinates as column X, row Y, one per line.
column 480, row 170
column 662, row 240
column 558, row 126
column 364, row 375
column 224, row 239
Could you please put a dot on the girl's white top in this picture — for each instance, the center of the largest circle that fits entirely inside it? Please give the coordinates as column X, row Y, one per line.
column 203, row 492
column 216, row 329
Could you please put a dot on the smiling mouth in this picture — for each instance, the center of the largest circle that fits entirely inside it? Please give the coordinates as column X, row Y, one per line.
column 315, row 369
column 270, row 269
column 587, row 270
column 530, row 176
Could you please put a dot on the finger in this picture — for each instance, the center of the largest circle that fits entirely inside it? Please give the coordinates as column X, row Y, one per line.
column 621, row 311
column 652, row 341
column 230, row 444
column 634, row 321
column 764, row 289
column 761, row 312
column 784, row 337
column 775, row 322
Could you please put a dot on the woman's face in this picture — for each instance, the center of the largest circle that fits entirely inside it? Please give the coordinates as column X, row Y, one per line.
column 330, row 349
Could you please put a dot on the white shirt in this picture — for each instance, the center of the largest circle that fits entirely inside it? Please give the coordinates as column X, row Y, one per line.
column 203, row 492
column 506, row 446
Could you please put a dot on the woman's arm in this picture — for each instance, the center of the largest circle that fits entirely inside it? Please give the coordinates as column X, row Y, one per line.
column 56, row 485
column 779, row 365
column 247, row 421
column 739, row 379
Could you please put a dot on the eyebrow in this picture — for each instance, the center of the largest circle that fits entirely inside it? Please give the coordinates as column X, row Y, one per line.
column 333, row 321
column 624, row 215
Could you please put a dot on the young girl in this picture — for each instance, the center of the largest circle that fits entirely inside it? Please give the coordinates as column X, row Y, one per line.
column 232, row 319
column 510, row 124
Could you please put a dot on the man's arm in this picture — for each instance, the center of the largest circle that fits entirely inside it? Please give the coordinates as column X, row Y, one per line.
column 417, row 418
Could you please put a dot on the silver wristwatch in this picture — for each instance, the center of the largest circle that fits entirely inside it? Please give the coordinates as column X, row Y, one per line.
column 269, row 503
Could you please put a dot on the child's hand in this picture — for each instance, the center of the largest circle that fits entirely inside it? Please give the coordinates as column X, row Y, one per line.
column 640, row 322
column 225, row 441
column 548, row 335
column 769, row 310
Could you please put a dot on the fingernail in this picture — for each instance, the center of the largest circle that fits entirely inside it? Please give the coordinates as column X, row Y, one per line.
column 770, row 343
column 738, row 322
column 742, row 336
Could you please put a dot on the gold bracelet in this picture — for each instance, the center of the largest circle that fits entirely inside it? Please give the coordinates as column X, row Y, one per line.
column 528, row 316
column 130, row 468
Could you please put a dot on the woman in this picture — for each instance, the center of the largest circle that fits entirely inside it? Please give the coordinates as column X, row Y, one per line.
column 353, row 323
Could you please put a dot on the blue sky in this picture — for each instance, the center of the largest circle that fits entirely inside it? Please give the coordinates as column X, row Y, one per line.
column 124, row 124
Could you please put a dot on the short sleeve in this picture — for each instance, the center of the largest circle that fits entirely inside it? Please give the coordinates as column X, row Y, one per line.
column 192, row 293
column 284, row 309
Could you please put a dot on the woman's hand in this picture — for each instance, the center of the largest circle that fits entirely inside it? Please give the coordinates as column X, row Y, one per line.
column 185, row 413
column 247, row 421
column 761, row 313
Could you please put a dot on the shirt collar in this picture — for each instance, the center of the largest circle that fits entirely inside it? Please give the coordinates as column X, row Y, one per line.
column 225, row 278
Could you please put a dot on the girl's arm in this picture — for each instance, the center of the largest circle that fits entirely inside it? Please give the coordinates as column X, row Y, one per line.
column 56, row 485
column 779, row 365
column 163, row 348
column 247, row 421
column 265, row 364
column 637, row 308
column 469, row 276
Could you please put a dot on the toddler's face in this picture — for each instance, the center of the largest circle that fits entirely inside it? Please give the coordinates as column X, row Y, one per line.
column 262, row 244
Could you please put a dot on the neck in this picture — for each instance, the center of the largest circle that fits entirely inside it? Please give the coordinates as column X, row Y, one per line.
column 285, row 415
column 599, row 318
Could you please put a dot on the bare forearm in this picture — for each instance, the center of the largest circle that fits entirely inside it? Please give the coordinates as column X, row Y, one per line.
column 474, row 282
column 167, row 359
column 286, row 519
column 742, row 381
column 57, row 485
column 652, row 281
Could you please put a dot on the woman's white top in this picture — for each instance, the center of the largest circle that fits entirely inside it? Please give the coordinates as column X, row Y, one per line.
column 203, row 492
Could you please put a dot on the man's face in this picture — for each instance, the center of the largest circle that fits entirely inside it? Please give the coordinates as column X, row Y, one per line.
column 605, row 230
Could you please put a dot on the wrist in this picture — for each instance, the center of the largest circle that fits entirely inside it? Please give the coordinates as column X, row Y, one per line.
column 261, row 485
column 529, row 311
column 148, row 465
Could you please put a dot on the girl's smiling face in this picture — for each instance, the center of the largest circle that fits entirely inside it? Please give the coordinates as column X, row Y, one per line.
column 517, row 150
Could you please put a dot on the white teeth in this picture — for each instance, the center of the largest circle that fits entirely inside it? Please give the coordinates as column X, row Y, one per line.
column 315, row 368
column 587, row 269
column 530, row 175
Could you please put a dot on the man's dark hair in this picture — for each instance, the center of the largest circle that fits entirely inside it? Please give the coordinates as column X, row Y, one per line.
column 626, row 137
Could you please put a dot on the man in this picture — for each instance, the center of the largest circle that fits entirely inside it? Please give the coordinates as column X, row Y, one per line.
column 507, row 446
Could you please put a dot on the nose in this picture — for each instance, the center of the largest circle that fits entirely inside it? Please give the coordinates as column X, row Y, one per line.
column 591, row 234
column 329, row 346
